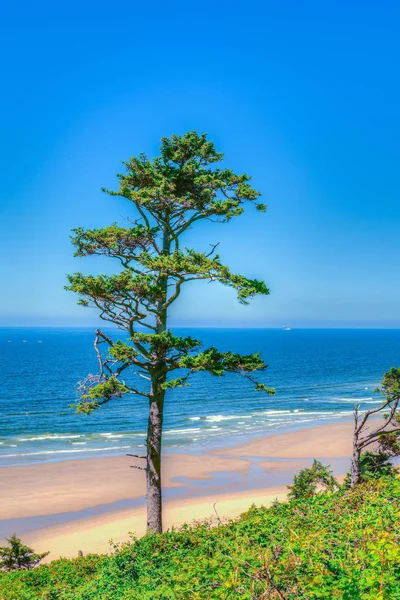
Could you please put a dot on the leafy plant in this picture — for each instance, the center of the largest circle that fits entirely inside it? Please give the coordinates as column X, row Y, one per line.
column 341, row 545
column 305, row 484
column 18, row 556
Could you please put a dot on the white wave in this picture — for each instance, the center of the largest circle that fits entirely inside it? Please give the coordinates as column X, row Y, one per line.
column 194, row 418
column 354, row 400
column 219, row 418
column 64, row 451
column 179, row 431
column 290, row 413
column 274, row 412
column 50, row 436
column 372, row 402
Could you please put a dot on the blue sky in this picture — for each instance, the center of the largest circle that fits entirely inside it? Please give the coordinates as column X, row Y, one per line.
column 302, row 96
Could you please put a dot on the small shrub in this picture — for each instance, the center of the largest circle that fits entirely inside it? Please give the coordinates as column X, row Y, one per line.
column 306, row 482
column 17, row 556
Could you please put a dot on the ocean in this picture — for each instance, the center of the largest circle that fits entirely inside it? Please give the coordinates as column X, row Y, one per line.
column 318, row 375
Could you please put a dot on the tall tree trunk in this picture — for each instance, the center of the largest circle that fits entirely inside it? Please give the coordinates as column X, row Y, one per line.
column 154, row 429
column 153, row 468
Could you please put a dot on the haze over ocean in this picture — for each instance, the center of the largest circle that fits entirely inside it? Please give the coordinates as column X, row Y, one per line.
column 318, row 375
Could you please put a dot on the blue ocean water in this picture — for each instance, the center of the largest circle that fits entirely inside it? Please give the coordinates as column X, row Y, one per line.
column 318, row 376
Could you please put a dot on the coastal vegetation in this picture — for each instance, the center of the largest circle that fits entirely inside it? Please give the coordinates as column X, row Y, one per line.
column 16, row 555
column 342, row 544
column 382, row 436
column 170, row 194
column 306, row 483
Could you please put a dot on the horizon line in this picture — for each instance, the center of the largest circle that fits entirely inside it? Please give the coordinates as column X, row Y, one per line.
column 277, row 328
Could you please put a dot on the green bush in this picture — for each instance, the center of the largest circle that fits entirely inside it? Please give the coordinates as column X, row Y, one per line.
column 305, row 484
column 18, row 556
column 338, row 545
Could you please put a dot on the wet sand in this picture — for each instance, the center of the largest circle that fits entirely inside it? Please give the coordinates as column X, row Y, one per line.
column 80, row 505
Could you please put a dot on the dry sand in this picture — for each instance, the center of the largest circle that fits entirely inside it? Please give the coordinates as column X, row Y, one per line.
column 78, row 484
column 94, row 535
column 70, row 486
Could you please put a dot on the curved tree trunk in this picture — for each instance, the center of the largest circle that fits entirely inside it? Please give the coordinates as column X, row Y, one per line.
column 153, row 468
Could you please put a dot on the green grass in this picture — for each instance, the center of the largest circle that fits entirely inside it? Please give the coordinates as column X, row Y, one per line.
column 342, row 545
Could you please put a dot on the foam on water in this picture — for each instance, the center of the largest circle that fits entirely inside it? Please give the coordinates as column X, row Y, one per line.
column 46, row 452
column 181, row 431
column 318, row 375
column 354, row 400
column 50, row 436
column 219, row 418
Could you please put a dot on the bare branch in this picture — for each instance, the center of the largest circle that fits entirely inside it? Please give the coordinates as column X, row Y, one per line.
column 371, row 412
column 137, row 456
column 213, row 248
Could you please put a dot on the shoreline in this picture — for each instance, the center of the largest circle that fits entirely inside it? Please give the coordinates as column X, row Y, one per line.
column 79, row 505
column 213, row 443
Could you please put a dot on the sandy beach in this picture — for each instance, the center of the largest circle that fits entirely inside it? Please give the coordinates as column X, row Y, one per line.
column 80, row 505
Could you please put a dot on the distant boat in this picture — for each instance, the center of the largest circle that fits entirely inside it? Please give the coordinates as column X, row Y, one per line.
column 286, row 328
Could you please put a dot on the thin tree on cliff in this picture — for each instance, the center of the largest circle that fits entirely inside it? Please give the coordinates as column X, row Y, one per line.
column 382, row 436
column 170, row 194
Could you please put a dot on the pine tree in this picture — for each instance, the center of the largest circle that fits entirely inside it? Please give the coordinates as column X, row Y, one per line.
column 170, row 194
column 17, row 556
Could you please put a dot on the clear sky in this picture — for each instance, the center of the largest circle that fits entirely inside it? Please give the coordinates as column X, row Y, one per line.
column 304, row 96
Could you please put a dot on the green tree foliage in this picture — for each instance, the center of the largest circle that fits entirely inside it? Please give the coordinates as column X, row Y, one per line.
column 17, row 556
column 177, row 190
column 341, row 545
column 373, row 465
column 376, row 464
column 305, row 484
